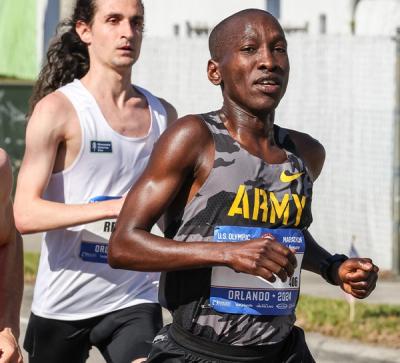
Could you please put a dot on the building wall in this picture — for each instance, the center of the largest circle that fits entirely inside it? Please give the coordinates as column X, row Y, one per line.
column 163, row 17
column 375, row 17
column 308, row 13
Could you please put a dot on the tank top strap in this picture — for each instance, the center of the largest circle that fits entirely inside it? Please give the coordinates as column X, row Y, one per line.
column 224, row 143
column 76, row 94
column 283, row 140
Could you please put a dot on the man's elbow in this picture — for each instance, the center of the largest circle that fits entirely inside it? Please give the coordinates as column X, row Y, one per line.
column 122, row 253
column 24, row 223
column 115, row 256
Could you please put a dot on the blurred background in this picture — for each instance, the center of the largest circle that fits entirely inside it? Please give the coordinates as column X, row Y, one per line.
column 343, row 90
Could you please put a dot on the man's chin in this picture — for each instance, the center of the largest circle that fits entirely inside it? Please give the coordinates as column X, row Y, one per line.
column 124, row 63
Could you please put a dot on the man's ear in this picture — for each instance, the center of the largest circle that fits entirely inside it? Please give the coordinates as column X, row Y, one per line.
column 213, row 72
column 84, row 31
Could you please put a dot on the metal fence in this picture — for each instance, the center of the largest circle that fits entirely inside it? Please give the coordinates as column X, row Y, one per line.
column 342, row 91
column 14, row 98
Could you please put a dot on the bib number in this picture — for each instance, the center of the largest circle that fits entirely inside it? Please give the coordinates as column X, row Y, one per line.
column 240, row 293
column 95, row 236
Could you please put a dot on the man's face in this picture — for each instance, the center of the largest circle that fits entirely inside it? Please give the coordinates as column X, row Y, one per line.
column 115, row 36
column 254, row 65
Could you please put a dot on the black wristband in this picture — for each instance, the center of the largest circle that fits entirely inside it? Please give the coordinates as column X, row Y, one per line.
column 326, row 266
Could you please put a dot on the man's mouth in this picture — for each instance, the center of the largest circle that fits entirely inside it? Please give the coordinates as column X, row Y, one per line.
column 268, row 84
column 126, row 48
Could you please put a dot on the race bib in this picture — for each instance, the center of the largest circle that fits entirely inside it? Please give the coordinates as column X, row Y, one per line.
column 95, row 236
column 240, row 293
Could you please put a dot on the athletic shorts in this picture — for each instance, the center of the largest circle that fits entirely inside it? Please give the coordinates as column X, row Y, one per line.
column 173, row 344
column 121, row 336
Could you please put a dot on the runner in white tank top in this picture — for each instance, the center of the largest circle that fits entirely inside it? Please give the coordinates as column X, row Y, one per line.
column 107, row 165
column 87, row 142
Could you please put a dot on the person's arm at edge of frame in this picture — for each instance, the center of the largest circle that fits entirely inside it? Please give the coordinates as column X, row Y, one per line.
column 47, row 129
column 356, row 276
column 11, row 269
column 176, row 157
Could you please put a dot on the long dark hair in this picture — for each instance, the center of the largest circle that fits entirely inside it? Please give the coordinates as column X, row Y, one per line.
column 67, row 56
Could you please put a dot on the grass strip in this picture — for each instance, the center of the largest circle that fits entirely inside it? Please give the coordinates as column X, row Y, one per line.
column 373, row 323
column 31, row 263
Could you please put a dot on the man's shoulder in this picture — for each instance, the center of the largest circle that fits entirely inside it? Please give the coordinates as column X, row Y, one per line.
column 193, row 123
column 188, row 132
column 170, row 110
column 54, row 109
column 6, row 175
column 53, row 102
column 4, row 160
column 309, row 149
column 172, row 114
column 304, row 140
column 184, row 145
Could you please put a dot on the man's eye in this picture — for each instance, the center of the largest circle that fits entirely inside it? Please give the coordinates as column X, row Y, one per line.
column 248, row 49
column 112, row 20
column 139, row 25
column 280, row 50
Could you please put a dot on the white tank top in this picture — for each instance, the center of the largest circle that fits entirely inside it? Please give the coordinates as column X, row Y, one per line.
column 74, row 280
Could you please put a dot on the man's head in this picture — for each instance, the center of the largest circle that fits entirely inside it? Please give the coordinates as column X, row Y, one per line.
column 100, row 32
column 111, row 29
column 249, row 60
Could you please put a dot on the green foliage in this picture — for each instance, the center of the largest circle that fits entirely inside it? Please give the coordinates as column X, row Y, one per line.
column 31, row 263
column 373, row 323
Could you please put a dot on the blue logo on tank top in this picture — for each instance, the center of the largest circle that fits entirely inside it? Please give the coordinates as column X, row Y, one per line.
column 100, row 146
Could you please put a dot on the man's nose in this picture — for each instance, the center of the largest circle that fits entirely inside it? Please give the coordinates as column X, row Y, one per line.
column 266, row 59
column 128, row 29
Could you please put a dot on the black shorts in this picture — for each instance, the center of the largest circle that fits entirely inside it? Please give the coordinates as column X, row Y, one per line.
column 175, row 345
column 121, row 336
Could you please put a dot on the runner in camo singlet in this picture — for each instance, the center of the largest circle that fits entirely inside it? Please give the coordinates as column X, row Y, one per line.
column 236, row 196
column 241, row 190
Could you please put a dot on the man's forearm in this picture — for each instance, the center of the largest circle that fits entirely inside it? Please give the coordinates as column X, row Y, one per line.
column 314, row 254
column 11, row 283
column 42, row 215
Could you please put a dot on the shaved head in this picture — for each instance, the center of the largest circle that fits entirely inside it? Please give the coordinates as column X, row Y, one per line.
column 227, row 29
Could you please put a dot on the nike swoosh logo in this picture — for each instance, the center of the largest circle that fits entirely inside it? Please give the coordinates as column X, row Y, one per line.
column 285, row 178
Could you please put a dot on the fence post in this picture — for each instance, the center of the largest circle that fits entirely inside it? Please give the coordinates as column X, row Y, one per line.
column 396, row 170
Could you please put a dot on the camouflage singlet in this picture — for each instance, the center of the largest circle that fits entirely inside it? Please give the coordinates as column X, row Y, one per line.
column 241, row 194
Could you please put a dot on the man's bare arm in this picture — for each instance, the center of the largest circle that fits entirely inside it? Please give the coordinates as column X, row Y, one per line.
column 356, row 276
column 6, row 213
column 175, row 160
column 11, row 271
column 51, row 126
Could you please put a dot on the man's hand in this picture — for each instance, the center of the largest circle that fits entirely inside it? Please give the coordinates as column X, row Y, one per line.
column 264, row 257
column 358, row 276
column 9, row 349
column 114, row 206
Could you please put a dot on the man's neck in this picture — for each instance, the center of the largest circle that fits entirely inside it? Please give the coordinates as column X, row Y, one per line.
column 255, row 133
column 109, row 84
column 240, row 120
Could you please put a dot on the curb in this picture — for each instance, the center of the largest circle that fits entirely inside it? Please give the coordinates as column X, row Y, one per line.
column 329, row 349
